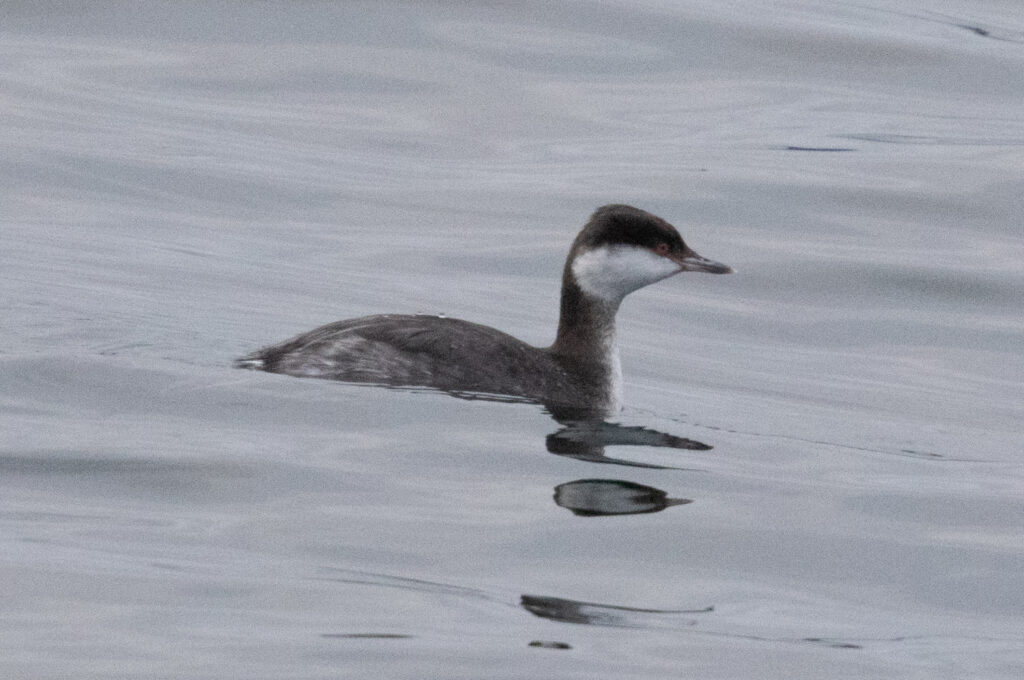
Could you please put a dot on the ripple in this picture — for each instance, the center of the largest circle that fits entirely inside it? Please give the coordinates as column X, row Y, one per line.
column 540, row 41
column 933, row 140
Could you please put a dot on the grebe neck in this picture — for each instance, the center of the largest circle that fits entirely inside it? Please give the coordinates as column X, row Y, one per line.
column 586, row 342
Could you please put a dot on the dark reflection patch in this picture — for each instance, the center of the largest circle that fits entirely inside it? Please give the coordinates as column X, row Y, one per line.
column 604, row 497
column 546, row 644
column 825, row 149
column 595, row 614
column 358, row 636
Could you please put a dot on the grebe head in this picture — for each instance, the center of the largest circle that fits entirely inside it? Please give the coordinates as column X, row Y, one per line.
column 622, row 249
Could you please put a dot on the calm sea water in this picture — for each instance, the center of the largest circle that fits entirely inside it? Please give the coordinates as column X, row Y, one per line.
column 181, row 183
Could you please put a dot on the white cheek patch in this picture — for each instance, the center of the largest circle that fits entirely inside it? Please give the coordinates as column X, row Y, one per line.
column 613, row 272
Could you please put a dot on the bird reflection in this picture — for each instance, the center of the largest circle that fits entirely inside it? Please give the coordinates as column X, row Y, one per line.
column 602, row 497
column 596, row 614
column 585, row 434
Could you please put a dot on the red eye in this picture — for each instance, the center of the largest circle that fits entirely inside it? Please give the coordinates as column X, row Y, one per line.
column 661, row 249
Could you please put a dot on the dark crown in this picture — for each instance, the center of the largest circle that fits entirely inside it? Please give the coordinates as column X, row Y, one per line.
column 625, row 225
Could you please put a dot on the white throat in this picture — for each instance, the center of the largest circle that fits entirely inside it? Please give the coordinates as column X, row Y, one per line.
column 610, row 273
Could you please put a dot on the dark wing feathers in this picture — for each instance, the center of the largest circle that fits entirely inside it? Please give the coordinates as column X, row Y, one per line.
column 448, row 354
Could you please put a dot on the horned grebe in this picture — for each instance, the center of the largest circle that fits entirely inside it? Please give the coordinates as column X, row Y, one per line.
column 620, row 250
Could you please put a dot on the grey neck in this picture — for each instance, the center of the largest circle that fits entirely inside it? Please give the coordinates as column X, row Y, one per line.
column 586, row 339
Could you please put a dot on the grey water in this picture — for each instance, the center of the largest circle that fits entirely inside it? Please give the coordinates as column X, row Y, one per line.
column 181, row 183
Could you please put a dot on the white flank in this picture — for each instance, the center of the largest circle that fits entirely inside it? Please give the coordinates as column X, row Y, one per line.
column 610, row 273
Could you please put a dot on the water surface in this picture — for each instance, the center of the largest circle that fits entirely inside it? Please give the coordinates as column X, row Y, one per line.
column 183, row 183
